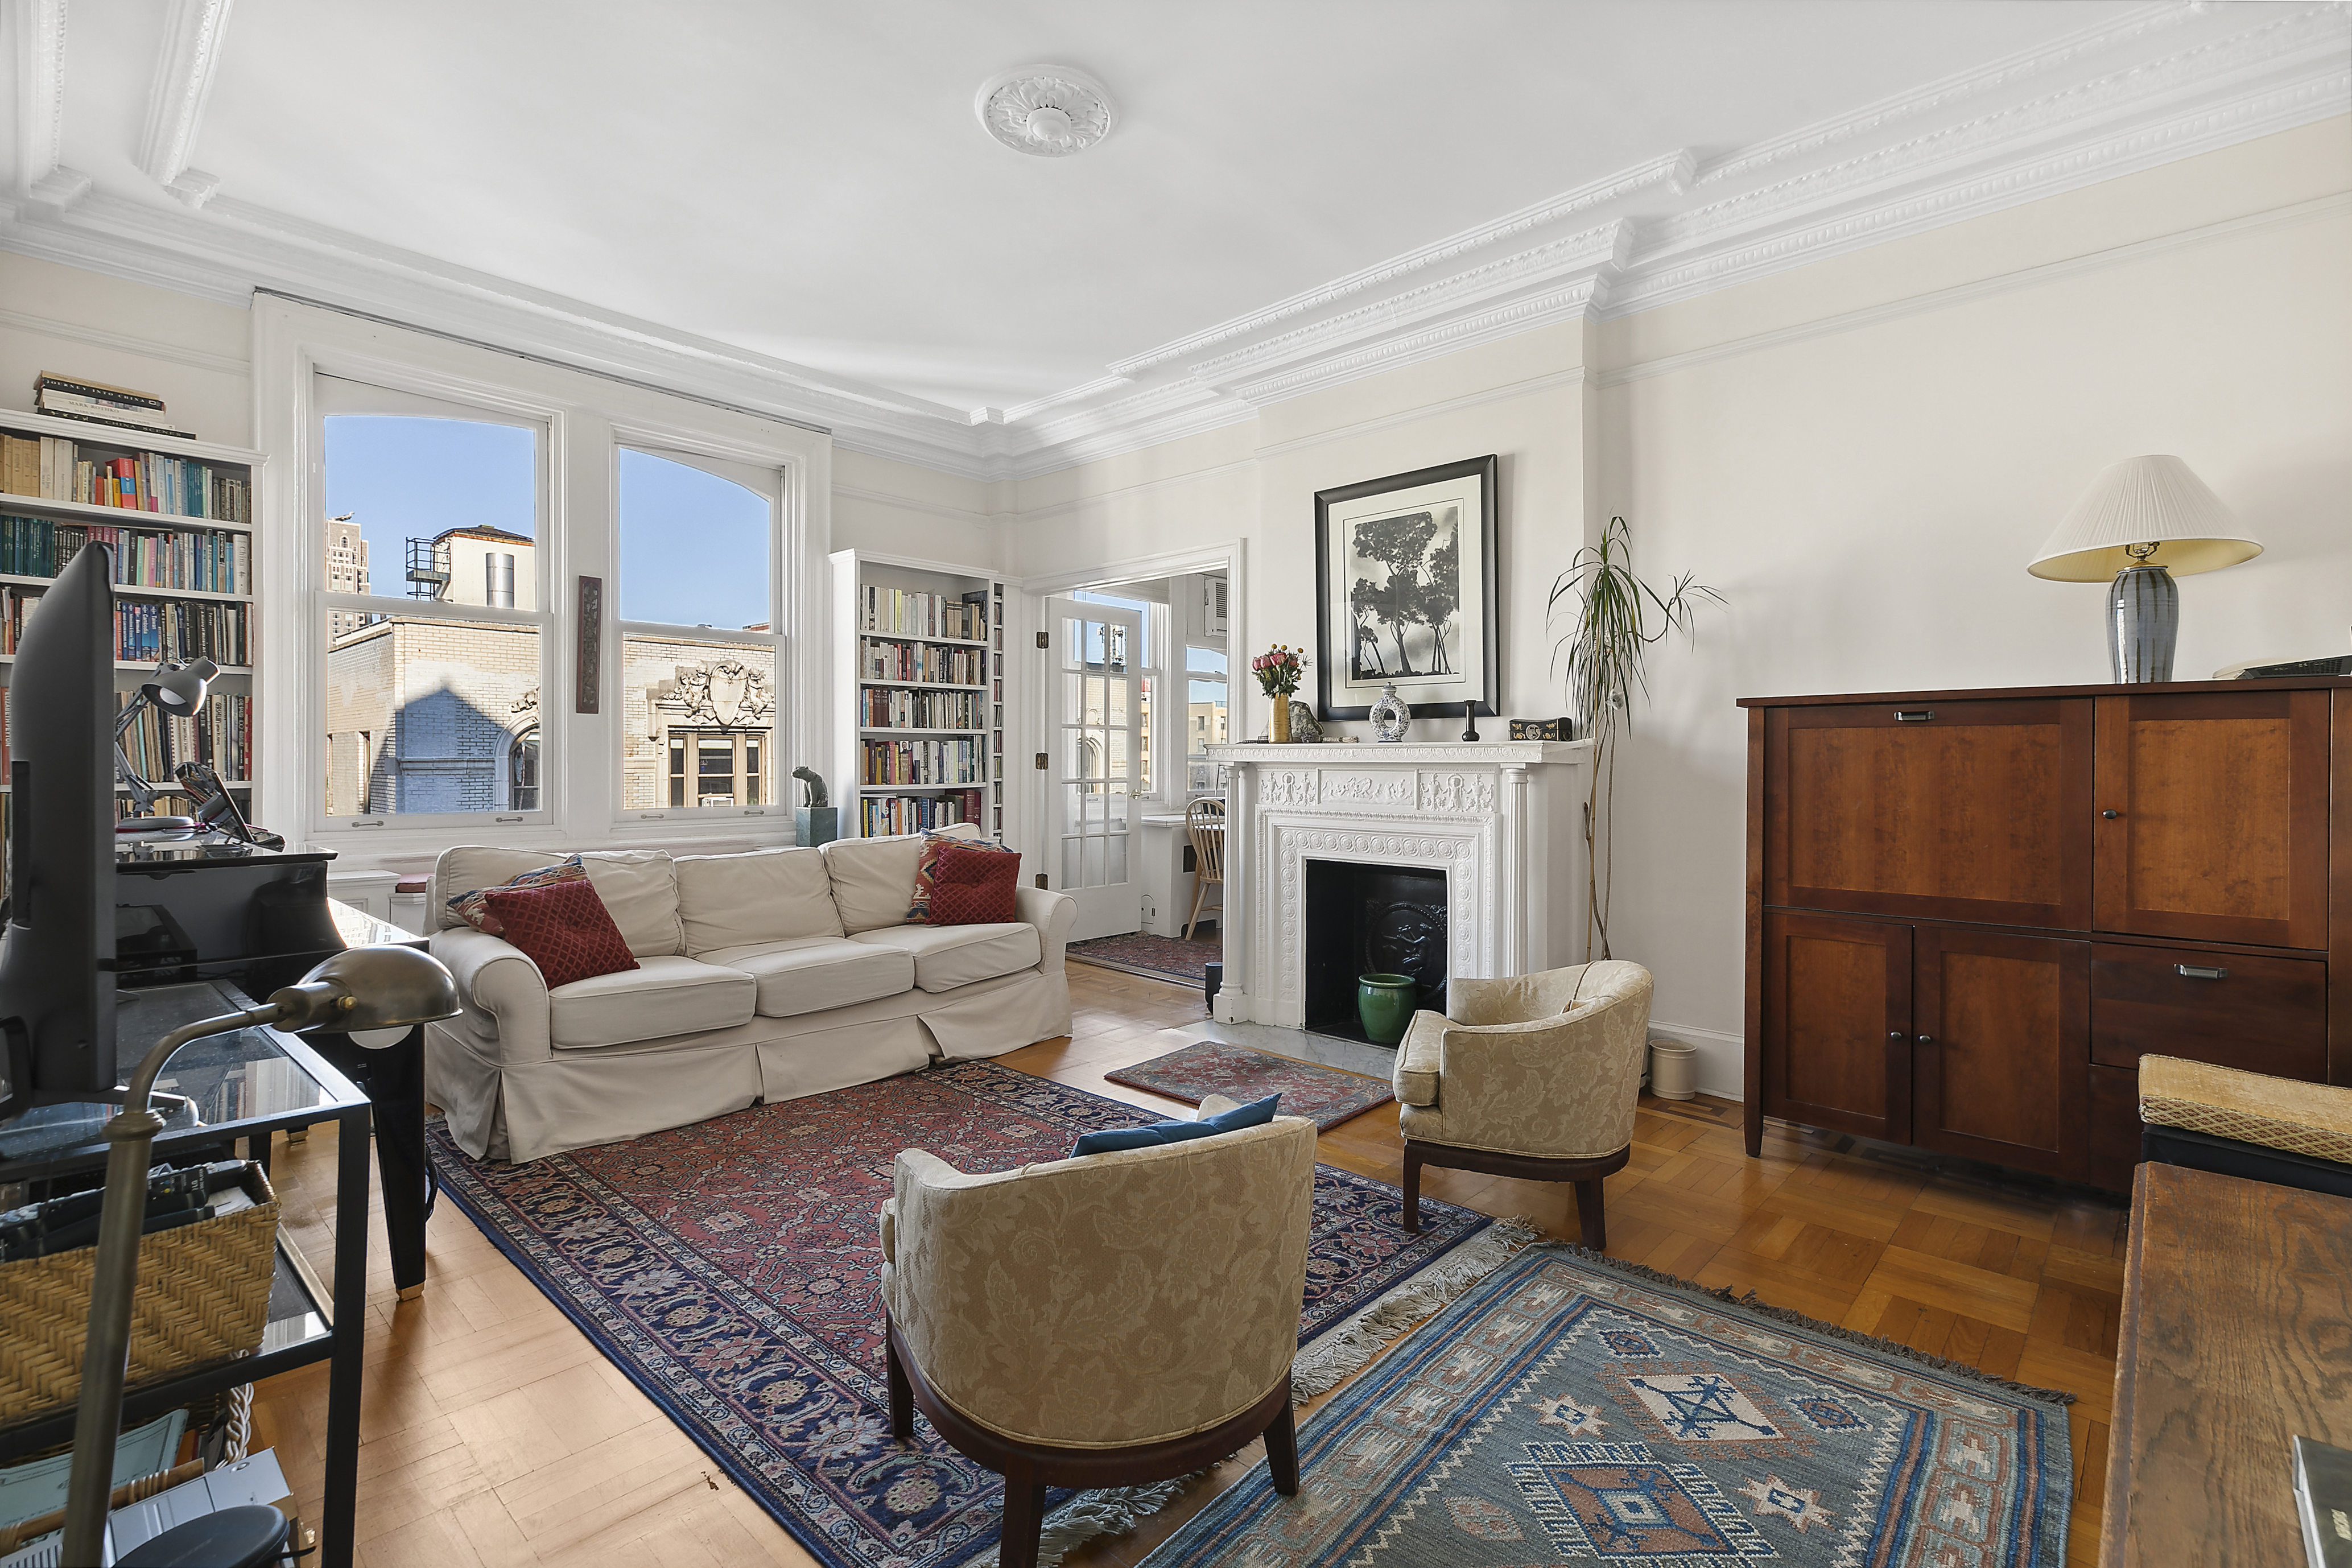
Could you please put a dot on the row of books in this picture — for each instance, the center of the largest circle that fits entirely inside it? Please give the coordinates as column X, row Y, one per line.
column 145, row 632
column 220, row 734
column 923, row 710
column 920, row 763
column 887, row 815
column 926, row 662
column 926, row 614
column 72, row 397
column 54, row 468
column 143, row 558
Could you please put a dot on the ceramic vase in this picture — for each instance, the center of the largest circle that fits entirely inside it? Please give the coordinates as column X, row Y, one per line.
column 1389, row 716
column 1384, row 1005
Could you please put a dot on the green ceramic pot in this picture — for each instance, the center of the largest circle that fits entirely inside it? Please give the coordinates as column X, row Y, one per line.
column 1384, row 1002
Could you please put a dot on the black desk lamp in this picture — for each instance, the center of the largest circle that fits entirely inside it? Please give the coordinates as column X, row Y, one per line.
column 177, row 691
column 359, row 988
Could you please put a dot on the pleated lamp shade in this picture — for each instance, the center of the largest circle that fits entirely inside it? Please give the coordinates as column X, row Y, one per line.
column 2143, row 500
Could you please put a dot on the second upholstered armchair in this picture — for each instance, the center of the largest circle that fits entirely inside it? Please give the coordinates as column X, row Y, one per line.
column 1536, row 1076
column 1105, row 1320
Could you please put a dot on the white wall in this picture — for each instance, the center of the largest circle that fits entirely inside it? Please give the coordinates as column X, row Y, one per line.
column 1862, row 454
column 195, row 354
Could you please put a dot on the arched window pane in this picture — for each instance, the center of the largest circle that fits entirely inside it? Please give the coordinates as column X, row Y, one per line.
column 694, row 547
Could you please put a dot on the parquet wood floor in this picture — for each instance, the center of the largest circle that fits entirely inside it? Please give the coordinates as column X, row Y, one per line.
column 495, row 1434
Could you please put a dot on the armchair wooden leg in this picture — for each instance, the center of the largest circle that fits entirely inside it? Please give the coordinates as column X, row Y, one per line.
column 1282, row 1450
column 1412, row 1158
column 1024, row 1519
column 1592, row 1224
column 902, row 1393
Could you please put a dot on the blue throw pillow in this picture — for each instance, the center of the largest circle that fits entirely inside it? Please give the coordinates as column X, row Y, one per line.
column 1257, row 1113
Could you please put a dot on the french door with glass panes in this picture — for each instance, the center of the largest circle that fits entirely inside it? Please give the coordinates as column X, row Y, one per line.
column 1096, row 762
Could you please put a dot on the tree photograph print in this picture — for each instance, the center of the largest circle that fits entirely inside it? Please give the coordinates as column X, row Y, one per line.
column 1405, row 579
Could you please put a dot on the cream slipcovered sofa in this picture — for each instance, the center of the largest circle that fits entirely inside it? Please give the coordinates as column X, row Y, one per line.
column 766, row 975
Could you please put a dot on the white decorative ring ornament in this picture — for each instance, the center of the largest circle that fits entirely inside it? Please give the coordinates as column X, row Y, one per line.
column 1049, row 112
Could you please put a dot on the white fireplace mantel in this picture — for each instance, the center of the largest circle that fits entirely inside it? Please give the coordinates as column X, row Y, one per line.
column 1503, row 819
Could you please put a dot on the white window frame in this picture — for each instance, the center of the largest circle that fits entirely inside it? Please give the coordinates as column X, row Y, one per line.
column 587, row 416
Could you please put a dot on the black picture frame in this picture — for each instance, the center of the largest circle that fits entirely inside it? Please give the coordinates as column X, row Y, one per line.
column 1346, row 688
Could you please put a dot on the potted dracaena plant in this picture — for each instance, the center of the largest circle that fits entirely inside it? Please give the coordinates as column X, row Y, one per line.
column 1617, row 618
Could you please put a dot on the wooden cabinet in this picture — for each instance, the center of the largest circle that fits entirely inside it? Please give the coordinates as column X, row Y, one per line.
column 1972, row 913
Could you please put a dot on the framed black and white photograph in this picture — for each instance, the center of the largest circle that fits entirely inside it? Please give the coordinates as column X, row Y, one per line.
column 1404, row 591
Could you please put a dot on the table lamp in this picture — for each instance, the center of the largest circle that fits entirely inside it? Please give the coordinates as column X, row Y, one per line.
column 178, row 689
column 359, row 988
column 2142, row 521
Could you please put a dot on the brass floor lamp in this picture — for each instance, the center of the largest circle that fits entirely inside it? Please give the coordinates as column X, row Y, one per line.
column 362, row 988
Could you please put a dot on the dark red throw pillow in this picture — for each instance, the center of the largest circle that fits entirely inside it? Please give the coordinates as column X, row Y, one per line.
column 564, row 927
column 974, row 887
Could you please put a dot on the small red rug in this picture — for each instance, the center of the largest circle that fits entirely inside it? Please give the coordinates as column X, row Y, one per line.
column 1161, row 957
column 1329, row 1095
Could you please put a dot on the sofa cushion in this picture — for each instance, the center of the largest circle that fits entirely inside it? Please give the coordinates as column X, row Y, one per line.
column 768, row 894
column 473, row 905
column 874, row 878
column 972, row 884
column 937, row 846
column 949, row 956
column 464, row 868
column 563, row 927
column 640, row 889
column 817, row 974
column 663, row 995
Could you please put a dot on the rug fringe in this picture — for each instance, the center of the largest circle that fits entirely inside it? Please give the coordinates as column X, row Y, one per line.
column 1114, row 1510
column 1794, row 1319
column 1340, row 1352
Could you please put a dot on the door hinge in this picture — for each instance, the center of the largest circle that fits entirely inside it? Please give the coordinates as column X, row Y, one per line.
column 1041, row 762
column 1041, row 883
column 1042, row 642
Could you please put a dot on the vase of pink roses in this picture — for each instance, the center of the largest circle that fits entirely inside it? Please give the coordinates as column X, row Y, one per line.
column 1277, row 670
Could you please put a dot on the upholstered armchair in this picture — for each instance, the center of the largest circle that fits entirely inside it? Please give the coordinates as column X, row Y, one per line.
column 1536, row 1076
column 1101, row 1321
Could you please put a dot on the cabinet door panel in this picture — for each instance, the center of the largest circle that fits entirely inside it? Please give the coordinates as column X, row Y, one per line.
column 1835, row 993
column 2115, row 1128
column 1970, row 811
column 2002, row 1040
column 2220, row 824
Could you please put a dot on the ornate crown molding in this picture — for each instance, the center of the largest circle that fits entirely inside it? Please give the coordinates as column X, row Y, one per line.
column 2165, row 81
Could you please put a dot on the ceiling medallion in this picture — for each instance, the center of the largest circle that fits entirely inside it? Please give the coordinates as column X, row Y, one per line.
column 1050, row 111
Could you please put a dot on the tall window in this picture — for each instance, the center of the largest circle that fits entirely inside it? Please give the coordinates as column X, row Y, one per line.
column 698, row 648
column 431, row 604
column 1204, row 716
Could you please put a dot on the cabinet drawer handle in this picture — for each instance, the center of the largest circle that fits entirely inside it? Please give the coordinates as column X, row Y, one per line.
column 2198, row 971
column 2111, row 816
column 1914, row 715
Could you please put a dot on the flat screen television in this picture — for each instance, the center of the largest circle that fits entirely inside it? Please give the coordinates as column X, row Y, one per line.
column 57, row 1005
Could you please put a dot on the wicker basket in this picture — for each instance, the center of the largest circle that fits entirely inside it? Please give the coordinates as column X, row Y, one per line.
column 203, row 1297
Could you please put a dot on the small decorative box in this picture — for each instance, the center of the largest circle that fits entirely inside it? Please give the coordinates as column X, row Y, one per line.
column 1543, row 729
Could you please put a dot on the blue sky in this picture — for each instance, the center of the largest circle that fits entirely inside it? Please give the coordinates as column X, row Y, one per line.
column 694, row 547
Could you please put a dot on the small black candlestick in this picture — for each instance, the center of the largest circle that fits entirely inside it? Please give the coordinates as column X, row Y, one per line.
column 1470, row 720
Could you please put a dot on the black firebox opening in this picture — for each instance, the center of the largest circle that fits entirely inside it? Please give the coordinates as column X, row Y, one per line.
column 1371, row 920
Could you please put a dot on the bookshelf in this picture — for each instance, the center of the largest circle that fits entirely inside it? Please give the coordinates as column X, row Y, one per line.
column 185, row 578
column 918, row 669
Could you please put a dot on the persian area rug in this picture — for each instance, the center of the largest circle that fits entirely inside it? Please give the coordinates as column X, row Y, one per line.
column 1327, row 1095
column 1161, row 957
column 1572, row 1409
column 733, row 1270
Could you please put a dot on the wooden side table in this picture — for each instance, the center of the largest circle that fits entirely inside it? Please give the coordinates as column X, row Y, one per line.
column 2236, row 1339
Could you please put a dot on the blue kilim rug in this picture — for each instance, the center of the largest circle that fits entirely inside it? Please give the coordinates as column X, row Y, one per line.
column 1572, row 1409
column 732, row 1271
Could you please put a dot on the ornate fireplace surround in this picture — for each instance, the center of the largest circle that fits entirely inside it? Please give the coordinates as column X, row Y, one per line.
column 1501, row 819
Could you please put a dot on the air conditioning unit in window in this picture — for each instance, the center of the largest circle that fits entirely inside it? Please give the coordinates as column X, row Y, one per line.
column 1213, row 622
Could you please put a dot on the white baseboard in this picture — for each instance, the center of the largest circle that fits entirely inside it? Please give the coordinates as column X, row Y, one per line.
column 1722, row 1057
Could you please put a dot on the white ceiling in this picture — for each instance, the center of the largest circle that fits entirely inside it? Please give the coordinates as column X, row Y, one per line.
column 806, row 183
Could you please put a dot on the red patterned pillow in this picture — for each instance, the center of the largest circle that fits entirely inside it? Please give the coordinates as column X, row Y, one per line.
column 564, row 928
column 474, row 907
column 927, row 871
column 972, row 885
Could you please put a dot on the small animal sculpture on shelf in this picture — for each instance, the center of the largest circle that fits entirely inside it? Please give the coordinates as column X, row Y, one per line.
column 814, row 790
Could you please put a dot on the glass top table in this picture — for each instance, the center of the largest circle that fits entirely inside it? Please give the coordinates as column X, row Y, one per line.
column 244, row 1084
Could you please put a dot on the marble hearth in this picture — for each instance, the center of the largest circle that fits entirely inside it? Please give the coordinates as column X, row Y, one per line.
column 1501, row 820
